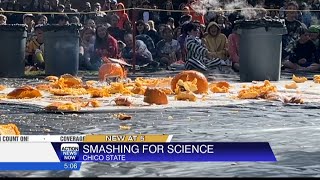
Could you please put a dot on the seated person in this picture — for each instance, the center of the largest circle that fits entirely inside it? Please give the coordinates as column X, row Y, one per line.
column 215, row 41
column 143, row 55
column 34, row 50
column 303, row 56
column 149, row 42
column 87, row 39
column 168, row 49
column 3, row 19
column 198, row 56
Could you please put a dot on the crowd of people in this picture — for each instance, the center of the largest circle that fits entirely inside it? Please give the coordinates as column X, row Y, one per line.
column 185, row 39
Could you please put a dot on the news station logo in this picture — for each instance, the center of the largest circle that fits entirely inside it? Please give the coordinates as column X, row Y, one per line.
column 69, row 152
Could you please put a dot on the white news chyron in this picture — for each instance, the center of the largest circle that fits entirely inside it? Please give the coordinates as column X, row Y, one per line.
column 41, row 138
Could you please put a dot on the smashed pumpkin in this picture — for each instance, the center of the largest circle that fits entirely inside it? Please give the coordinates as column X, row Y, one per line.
column 220, row 87
column 186, row 96
column 292, row 85
column 2, row 87
column 190, row 75
column 52, row 78
column 316, row 78
column 9, row 129
column 108, row 70
column 299, row 79
column 123, row 101
column 24, row 92
column 155, row 96
column 60, row 106
column 257, row 91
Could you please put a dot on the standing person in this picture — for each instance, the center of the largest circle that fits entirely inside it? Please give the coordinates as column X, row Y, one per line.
column 123, row 16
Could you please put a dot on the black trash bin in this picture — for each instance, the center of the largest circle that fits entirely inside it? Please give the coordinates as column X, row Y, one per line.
column 260, row 49
column 61, row 49
column 13, row 39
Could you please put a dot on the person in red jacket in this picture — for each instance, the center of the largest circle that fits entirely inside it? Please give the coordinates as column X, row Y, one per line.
column 105, row 46
column 196, row 16
column 122, row 15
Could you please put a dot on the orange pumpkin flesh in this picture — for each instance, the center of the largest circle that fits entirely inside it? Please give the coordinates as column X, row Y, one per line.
column 9, row 129
column 111, row 70
column 155, row 96
column 190, row 75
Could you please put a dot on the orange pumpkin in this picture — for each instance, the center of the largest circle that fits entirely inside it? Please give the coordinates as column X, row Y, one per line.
column 155, row 96
column 190, row 75
column 111, row 70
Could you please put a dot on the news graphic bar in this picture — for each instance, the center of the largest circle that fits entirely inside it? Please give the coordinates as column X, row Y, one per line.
column 165, row 152
column 87, row 138
column 35, row 166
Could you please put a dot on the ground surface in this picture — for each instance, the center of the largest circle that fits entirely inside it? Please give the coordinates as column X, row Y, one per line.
column 293, row 133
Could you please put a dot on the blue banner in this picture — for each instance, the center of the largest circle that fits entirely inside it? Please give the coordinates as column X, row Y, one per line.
column 165, row 152
column 39, row 166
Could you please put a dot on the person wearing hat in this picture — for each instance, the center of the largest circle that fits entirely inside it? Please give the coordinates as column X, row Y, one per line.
column 314, row 32
column 216, row 42
column 35, row 48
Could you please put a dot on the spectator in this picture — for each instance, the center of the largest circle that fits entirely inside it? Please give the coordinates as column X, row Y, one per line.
column 314, row 34
column 216, row 42
column 306, row 15
column 28, row 19
column 74, row 20
column 148, row 41
column 303, row 57
column 273, row 14
column 234, row 49
column 90, row 23
column 61, row 8
column 224, row 25
column 196, row 16
column 127, row 27
column 168, row 49
column 170, row 22
column 153, row 32
column 106, row 5
column 146, row 15
column 114, row 30
column 99, row 17
column 34, row 49
column 34, row 6
column 198, row 56
column 140, row 27
column 142, row 55
column 294, row 28
column 42, row 19
column 176, row 32
column 86, row 48
column 3, row 19
column 113, row 6
column 68, row 7
column 62, row 19
column 45, row 6
column 164, row 15
column 105, row 44
column 186, row 17
column 122, row 15
column 85, row 17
